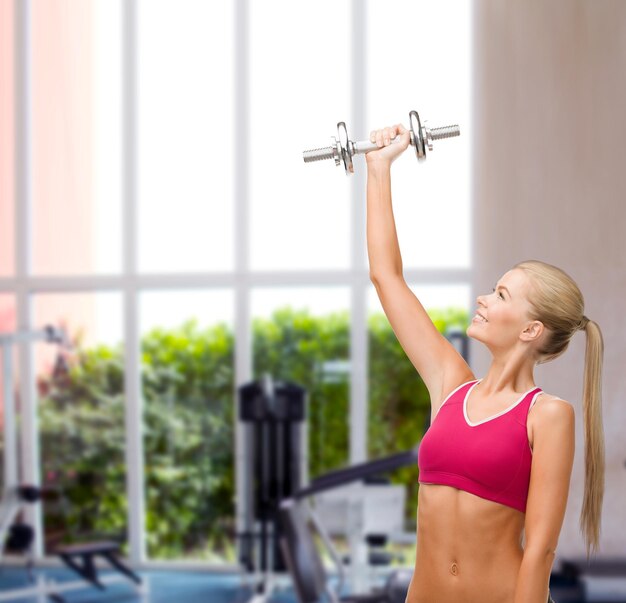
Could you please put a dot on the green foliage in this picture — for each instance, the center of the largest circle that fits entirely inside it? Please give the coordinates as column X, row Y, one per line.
column 292, row 347
column 82, row 444
column 189, row 415
column 188, row 440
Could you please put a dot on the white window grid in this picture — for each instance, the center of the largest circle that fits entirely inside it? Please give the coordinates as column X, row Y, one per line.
column 131, row 283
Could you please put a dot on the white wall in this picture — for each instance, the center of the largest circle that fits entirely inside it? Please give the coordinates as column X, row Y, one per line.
column 550, row 184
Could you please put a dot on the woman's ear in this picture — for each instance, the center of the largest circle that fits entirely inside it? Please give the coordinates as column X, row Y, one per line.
column 532, row 331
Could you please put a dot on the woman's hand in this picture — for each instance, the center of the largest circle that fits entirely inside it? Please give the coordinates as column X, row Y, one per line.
column 387, row 151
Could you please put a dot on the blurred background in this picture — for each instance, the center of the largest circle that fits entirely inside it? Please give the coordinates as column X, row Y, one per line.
column 154, row 204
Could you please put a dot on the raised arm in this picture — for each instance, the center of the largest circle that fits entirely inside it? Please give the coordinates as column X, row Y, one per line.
column 437, row 361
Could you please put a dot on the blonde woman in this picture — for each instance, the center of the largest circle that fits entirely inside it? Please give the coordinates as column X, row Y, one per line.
column 495, row 465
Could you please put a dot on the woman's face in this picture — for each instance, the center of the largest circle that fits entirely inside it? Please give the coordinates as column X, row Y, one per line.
column 504, row 312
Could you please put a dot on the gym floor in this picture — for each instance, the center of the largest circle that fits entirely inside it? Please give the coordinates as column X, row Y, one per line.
column 199, row 587
column 163, row 587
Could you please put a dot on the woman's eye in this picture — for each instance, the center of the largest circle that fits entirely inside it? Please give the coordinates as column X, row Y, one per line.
column 493, row 290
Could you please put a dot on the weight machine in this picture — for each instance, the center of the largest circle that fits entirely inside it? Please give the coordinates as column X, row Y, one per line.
column 273, row 414
column 16, row 496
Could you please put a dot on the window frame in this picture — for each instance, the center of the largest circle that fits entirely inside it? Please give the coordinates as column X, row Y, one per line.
column 242, row 281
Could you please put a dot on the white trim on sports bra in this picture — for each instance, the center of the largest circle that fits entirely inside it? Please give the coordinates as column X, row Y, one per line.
column 449, row 396
column 471, row 424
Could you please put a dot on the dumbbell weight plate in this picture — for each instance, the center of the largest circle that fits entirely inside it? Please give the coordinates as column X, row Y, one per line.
column 417, row 135
column 346, row 147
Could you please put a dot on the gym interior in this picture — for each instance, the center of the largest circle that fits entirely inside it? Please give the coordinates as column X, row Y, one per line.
column 176, row 422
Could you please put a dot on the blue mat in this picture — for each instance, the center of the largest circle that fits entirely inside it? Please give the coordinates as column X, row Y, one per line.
column 165, row 587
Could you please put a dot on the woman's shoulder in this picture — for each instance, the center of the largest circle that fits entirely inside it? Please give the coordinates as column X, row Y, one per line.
column 549, row 404
column 548, row 412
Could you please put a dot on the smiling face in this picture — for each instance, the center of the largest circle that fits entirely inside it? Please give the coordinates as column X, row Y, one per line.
column 502, row 317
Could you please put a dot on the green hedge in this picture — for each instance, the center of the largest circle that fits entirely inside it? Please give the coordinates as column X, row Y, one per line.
column 188, row 389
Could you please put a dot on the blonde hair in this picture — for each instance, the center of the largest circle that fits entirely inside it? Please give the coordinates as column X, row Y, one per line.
column 556, row 301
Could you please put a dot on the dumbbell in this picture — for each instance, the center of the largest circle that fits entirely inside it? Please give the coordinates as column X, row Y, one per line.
column 343, row 149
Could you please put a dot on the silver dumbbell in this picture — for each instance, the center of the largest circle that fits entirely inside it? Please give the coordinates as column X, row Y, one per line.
column 342, row 149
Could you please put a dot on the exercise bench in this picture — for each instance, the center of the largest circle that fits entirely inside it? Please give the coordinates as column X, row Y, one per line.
column 81, row 559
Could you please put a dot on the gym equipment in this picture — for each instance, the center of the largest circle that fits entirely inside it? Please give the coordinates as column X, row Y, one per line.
column 352, row 513
column 273, row 414
column 343, row 149
column 87, row 568
column 580, row 579
column 16, row 496
column 300, row 522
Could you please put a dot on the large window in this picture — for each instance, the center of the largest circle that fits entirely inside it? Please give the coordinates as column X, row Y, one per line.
column 154, row 203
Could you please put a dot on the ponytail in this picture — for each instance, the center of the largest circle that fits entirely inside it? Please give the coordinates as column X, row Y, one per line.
column 556, row 300
column 590, row 516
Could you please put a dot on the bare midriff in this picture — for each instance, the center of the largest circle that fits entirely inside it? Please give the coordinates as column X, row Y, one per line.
column 469, row 549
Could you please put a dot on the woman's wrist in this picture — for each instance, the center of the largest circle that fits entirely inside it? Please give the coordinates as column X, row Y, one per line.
column 378, row 164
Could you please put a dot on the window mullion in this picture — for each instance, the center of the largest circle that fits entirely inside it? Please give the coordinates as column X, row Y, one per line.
column 29, row 449
column 358, row 314
column 134, row 450
column 241, row 238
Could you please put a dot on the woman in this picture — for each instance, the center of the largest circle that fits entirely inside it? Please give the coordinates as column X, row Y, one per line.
column 495, row 464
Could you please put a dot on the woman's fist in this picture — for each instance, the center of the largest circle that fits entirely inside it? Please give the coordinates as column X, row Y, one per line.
column 388, row 151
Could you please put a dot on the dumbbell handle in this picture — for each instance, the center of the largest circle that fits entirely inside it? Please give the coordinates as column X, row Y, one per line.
column 357, row 148
column 365, row 146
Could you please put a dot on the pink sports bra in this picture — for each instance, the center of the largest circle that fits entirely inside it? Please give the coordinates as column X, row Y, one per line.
column 491, row 458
